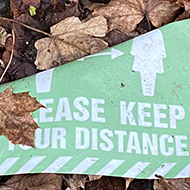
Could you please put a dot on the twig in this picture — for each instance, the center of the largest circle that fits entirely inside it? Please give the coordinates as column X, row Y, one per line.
column 11, row 57
column 29, row 27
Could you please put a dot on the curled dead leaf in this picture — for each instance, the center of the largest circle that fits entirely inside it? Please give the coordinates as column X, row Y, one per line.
column 72, row 26
column 124, row 15
column 94, row 177
column 186, row 13
column 34, row 182
column 4, row 187
column 47, row 53
column 3, row 36
column 76, row 1
column 184, row 3
column 16, row 122
column 35, row 3
column 127, row 182
column 75, row 181
column 105, row 182
column 71, row 39
column 172, row 184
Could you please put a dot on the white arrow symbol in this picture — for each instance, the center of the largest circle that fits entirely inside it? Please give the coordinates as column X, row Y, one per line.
column 114, row 54
column 149, row 51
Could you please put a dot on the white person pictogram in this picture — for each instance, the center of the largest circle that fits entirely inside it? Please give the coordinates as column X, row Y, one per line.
column 149, row 50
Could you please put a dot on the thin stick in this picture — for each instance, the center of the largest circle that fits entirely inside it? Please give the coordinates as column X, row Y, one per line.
column 29, row 27
column 11, row 57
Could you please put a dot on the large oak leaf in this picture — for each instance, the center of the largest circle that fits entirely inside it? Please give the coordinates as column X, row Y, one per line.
column 124, row 15
column 16, row 122
column 71, row 39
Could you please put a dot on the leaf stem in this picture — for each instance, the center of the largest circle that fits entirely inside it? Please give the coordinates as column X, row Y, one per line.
column 149, row 26
column 26, row 26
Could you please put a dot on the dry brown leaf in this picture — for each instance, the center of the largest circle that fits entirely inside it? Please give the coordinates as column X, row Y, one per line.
column 184, row 3
column 34, row 182
column 72, row 39
column 185, row 15
column 16, row 122
column 94, row 177
column 4, row 187
column 124, row 15
column 127, row 182
column 75, row 181
column 115, row 37
column 172, row 184
column 35, row 3
column 76, row 1
column 106, row 183
column 3, row 36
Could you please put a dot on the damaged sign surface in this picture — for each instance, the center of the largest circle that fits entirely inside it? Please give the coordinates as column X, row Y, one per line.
column 121, row 112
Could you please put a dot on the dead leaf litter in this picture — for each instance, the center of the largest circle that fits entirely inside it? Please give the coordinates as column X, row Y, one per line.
column 75, row 28
column 71, row 39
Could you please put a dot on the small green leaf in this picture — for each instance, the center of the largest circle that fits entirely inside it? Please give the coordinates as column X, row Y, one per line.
column 32, row 10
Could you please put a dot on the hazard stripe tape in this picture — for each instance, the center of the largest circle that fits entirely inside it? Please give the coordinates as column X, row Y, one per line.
column 136, row 169
column 84, row 165
column 31, row 164
column 36, row 162
column 7, row 164
column 184, row 173
column 57, row 164
column 110, row 167
column 162, row 170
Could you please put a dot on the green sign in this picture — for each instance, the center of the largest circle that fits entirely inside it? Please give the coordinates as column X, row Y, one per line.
column 122, row 112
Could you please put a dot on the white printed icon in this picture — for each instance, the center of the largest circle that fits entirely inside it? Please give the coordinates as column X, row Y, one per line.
column 43, row 81
column 149, row 50
column 114, row 54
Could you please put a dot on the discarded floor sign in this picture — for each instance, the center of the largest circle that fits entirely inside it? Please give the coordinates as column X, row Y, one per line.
column 122, row 112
